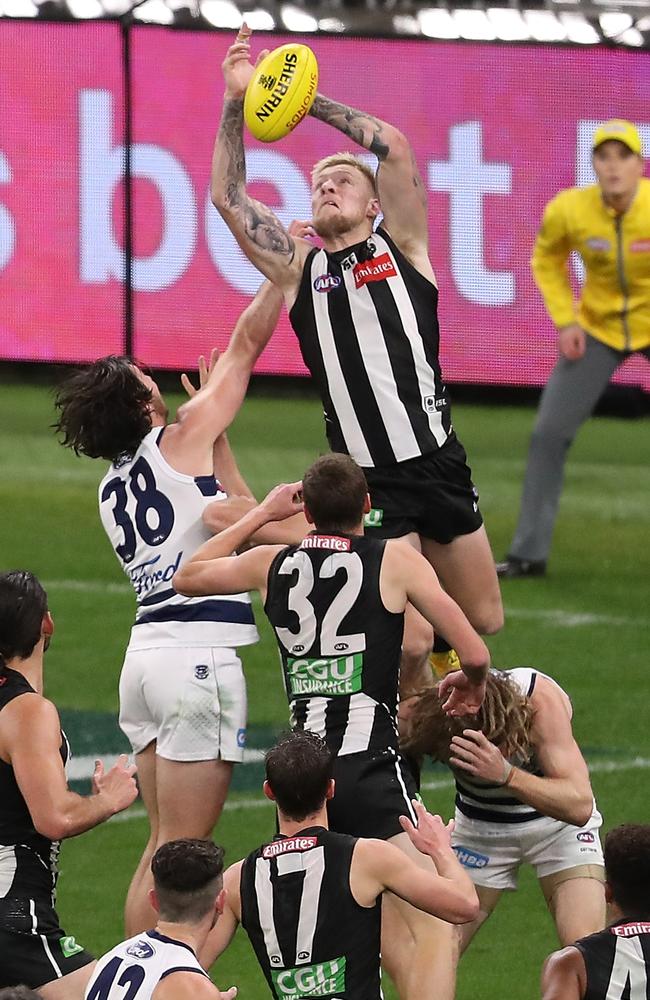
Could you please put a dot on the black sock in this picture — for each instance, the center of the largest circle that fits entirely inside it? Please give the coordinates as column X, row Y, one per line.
column 440, row 645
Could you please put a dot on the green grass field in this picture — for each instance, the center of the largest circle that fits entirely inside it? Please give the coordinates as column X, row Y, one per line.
column 587, row 623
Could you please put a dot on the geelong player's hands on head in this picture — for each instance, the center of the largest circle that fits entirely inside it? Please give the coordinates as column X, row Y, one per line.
column 237, row 66
column 431, row 835
column 282, row 502
column 473, row 752
column 465, row 695
column 117, row 786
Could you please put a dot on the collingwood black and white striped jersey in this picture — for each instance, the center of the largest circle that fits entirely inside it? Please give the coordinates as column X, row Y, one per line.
column 480, row 800
column 617, row 961
column 310, row 936
column 28, row 860
column 339, row 645
column 367, row 325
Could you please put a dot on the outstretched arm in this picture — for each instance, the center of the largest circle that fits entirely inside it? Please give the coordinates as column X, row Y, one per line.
column 401, row 191
column 447, row 893
column 187, row 444
column 32, row 737
column 259, row 232
column 412, row 572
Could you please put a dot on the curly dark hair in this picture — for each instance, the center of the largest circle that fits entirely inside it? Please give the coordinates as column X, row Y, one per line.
column 104, row 410
column 627, row 868
column 505, row 717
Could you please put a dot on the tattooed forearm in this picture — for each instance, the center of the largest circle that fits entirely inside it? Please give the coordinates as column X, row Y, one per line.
column 369, row 132
column 266, row 231
column 229, row 154
column 260, row 225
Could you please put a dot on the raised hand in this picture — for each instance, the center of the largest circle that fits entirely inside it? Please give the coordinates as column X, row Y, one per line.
column 283, row 501
column 431, row 835
column 237, row 66
column 205, row 370
column 464, row 696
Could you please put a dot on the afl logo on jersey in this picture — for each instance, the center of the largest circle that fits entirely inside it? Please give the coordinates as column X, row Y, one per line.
column 340, row 647
column 326, row 282
column 141, row 949
column 585, row 837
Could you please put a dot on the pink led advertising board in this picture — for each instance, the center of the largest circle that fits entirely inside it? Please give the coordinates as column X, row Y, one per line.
column 497, row 130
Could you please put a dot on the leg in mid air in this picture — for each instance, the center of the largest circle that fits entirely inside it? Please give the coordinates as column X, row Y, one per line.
column 576, row 899
column 415, row 673
column 465, row 567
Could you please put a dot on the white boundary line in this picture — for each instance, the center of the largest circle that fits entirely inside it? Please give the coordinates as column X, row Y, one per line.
column 82, row 767
column 597, row 766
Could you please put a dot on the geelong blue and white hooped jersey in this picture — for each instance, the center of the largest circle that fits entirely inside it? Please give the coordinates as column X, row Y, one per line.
column 135, row 967
column 367, row 325
column 340, row 646
column 617, row 961
column 152, row 515
column 480, row 800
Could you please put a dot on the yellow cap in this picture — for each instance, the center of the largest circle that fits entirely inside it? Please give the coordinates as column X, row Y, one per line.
column 621, row 131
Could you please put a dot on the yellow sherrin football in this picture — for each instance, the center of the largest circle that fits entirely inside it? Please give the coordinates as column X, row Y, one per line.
column 281, row 92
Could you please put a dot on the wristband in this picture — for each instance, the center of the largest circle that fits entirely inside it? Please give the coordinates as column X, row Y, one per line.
column 508, row 770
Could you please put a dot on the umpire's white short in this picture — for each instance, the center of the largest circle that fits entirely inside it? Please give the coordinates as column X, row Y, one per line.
column 492, row 853
column 191, row 701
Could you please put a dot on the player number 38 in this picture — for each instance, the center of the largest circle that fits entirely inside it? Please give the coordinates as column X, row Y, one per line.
column 154, row 514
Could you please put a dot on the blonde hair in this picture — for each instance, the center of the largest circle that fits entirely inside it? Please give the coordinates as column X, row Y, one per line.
column 348, row 160
column 505, row 718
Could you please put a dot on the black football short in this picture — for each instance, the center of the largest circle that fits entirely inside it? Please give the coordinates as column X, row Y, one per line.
column 34, row 949
column 432, row 495
column 372, row 791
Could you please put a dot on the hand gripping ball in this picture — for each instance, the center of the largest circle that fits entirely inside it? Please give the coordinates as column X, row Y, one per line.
column 281, row 92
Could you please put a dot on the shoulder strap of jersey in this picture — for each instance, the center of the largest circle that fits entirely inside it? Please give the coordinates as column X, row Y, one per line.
column 272, row 573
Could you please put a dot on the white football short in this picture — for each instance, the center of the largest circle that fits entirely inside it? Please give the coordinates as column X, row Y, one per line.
column 492, row 853
column 192, row 701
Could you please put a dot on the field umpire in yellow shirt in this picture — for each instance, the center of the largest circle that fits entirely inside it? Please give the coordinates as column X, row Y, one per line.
column 608, row 224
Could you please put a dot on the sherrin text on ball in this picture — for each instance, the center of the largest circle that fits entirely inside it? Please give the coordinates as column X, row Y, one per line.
column 281, row 92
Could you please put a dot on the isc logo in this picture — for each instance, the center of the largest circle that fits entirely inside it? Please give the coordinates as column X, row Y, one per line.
column 326, row 282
